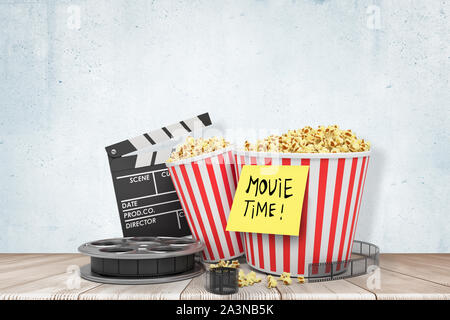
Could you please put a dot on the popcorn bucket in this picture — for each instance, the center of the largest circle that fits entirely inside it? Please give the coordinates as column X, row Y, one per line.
column 206, row 185
column 329, row 215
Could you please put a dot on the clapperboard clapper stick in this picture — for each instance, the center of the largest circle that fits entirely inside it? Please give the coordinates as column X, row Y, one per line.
column 147, row 201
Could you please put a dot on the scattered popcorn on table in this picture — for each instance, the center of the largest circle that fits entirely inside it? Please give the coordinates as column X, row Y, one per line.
column 271, row 282
column 195, row 147
column 252, row 278
column 242, row 279
column 247, row 280
column 286, row 278
column 329, row 139
column 285, row 275
column 242, row 282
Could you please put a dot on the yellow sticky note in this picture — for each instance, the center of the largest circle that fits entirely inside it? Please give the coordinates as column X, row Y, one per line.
column 269, row 199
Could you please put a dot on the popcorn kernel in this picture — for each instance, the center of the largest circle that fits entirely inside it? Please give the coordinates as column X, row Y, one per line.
column 271, row 282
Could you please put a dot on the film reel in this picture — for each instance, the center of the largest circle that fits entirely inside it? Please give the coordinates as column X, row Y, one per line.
column 142, row 260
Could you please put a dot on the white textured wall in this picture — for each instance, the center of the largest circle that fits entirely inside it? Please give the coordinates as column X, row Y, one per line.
column 76, row 76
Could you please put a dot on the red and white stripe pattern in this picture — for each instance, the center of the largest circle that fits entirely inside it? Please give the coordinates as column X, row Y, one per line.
column 329, row 215
column 206, row 187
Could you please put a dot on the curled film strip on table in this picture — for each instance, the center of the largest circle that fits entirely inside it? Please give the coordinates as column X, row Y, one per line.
column 142, row 260
column 364, row 258
column 147, row 201
column 222, row 280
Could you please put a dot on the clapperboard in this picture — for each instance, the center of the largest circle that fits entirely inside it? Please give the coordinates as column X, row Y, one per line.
column 146, row 197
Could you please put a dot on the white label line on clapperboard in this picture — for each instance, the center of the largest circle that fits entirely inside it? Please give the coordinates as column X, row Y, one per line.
column 154, row 181
column 138, row 174
column 153, row 215
column 151, row 205
column 152, row 195
column 178, row 219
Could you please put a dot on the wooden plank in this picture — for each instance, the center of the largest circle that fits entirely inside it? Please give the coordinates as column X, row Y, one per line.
column 443, row 257
column 258, row 291
column 60, row 286
column 397, row 286
column 54, row 286
column 164, row 291
column 329, row 290
column 38, row 271
column 424, row 266
column 6, row 258
column 25, row 262
column 432, row 260
column 51, row 288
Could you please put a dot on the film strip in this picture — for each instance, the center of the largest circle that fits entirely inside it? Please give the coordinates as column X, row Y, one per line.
column 146, row 198
column 365, row 258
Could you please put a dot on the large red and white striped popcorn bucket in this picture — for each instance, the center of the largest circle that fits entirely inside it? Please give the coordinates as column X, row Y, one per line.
column 206, row 185
column 329, row 214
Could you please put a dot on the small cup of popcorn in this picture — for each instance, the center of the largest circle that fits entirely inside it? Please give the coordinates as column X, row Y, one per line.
column 204, row 175
column 338, row 162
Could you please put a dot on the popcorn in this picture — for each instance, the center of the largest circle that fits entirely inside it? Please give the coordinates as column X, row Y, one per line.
column 286, row 278
column 235, row 264
column 271, row 282
column 213, row 266
column 242, row 282
column 252, row 278
column 285, row 275
column 195, row 147
column 225, row 264
column 329, row 139
column 247, row 280
column 242, row 279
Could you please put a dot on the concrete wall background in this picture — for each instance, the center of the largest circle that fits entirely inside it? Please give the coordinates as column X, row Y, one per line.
column 76, row 76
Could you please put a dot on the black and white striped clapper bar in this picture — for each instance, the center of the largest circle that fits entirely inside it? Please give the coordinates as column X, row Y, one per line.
column 147, row 200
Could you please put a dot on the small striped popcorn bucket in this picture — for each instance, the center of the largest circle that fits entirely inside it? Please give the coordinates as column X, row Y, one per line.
column 329, row 214
column 206, row 185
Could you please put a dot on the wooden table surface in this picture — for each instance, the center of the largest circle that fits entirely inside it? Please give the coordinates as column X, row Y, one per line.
column 50, row 276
